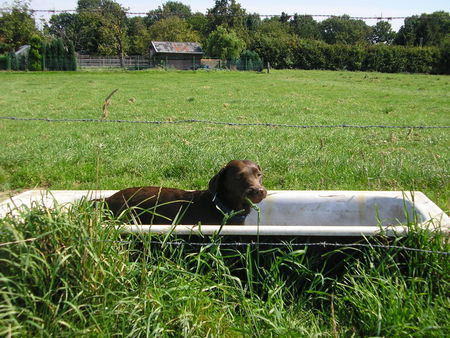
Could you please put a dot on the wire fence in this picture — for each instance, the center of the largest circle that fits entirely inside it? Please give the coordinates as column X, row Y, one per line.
column 162, row 15
column 139, row 62
column 250, row 243
column 239, row 124
column 278, row 244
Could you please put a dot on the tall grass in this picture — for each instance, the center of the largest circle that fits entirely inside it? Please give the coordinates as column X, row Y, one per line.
column 71, row 272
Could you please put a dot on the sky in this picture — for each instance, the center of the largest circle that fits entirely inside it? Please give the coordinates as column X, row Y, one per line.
column 365, row 8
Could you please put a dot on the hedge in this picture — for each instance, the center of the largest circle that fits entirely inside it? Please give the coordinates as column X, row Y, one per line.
column 287, row 52
column 53, row 55
column 312, row 54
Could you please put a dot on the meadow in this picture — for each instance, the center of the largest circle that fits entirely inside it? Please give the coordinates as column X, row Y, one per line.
column 67, row 275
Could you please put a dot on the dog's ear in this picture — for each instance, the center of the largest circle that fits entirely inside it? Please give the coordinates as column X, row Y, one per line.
column 214, row 182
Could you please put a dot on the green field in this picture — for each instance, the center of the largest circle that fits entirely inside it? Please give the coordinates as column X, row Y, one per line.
column 109, row 156
column 53, row 281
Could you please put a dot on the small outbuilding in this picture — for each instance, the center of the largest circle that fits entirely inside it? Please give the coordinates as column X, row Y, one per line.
column 178, row 55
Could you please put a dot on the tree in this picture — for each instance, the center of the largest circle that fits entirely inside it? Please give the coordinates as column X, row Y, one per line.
column 305, row 27
column 170, row 8
column 228, row 14
column 60, row 55
column 173, row 29
column 284, row 17
column 138, row 36
column 273, row 43
column 34, row 54
column 252, row 22
column 175, row 8
column 273, row 27
column 16, row 27
column 114, row 38
column 382, row 33
column 65, row 26
column 426, row 30
column 71, row 57
column 224, row 44
column 88, row 25
column 344, row 30
column 199, row 23
column 88, row 5
column 249, row 60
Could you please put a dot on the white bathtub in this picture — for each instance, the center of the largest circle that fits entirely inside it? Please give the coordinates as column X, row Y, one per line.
column 290, row 213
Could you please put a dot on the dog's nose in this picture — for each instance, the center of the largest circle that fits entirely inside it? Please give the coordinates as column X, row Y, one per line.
column 258, row 191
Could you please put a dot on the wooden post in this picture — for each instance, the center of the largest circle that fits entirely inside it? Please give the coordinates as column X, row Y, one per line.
column 268, row 67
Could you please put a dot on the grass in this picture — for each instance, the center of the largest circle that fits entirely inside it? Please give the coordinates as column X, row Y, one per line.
column 109, row 156
column 75, row 277
column 67, row 275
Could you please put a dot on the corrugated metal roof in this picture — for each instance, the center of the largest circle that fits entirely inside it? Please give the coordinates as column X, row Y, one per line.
column 177, row 47
column 23, row 50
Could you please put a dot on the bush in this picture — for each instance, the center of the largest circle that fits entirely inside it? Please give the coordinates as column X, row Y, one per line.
column 5, row 62
column 34, row 55
column 71, row 57
column 59, row 56
column 52, row 55
column 310, row 54
column 277, row 50
column 249, row 61
column 444, row 63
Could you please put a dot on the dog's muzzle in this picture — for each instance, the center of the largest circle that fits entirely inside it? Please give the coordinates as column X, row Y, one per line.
column 256, row 194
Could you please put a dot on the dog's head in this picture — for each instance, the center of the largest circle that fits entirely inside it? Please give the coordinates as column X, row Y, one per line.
column 236, row 182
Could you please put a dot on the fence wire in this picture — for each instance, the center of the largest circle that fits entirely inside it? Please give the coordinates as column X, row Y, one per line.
column 277, row 244
column 239, row 124
column 250, row 243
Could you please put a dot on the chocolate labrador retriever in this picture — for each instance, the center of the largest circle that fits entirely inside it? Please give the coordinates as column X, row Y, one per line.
column 228, row 193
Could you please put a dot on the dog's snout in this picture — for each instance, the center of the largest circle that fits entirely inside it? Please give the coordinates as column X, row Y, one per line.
column 258, row 191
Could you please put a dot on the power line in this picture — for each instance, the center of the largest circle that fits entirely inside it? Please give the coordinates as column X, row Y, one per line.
column 138, row 13
column 195, row 121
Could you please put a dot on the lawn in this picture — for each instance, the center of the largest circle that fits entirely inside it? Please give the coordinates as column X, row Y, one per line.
column 108, row 156
column 72, row 277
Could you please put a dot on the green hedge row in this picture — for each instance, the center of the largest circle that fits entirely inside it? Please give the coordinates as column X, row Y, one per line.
column 306, row 54
column 53, row 55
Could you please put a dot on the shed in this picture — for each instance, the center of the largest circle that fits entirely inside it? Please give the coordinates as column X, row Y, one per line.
column 178, row 55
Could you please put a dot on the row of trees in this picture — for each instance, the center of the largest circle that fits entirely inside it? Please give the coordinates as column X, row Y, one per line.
column 42, row 55
column 102, row 27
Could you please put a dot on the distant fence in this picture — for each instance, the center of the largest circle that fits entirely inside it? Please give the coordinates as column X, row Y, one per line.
column 144, row 62
column 130, row 62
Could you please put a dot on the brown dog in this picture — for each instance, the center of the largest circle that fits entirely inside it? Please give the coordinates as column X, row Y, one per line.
column 227, row 194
